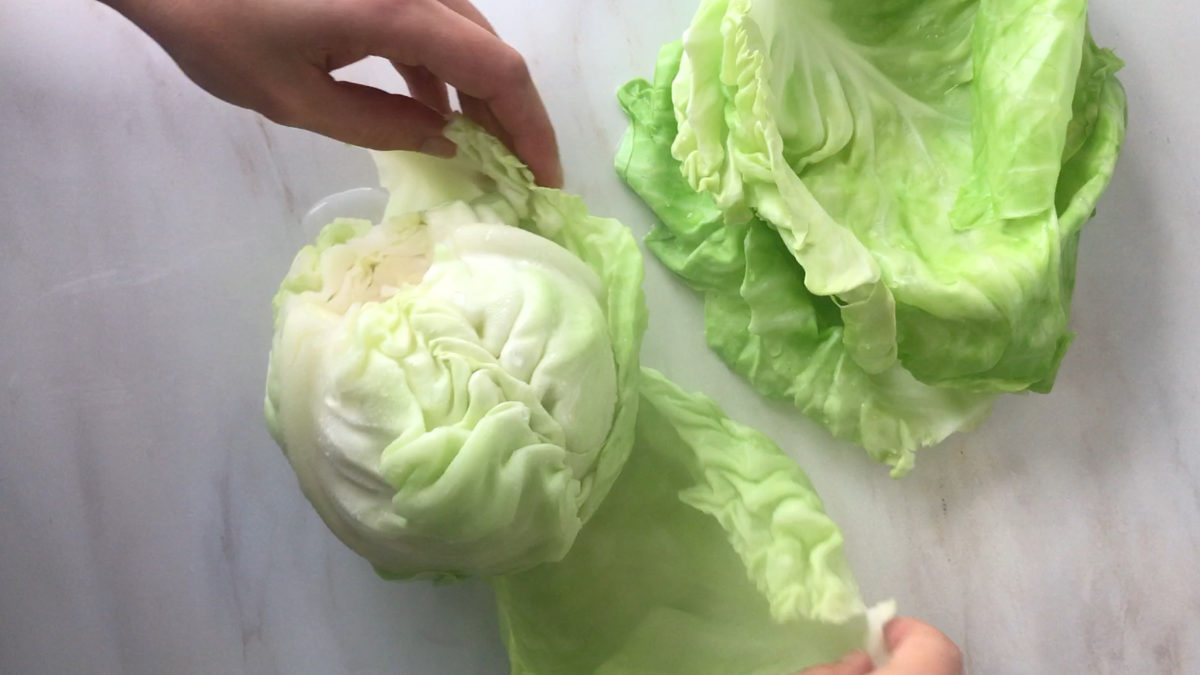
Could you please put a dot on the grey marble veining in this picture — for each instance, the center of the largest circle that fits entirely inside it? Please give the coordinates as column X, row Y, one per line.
column 149, row 525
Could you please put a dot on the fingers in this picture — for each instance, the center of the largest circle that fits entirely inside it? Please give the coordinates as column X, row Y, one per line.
column 428, row 89
column 424, row 87
column 364, row 116
column 476, row 110
column 917, row 647
column 854, row 663
column 468, row 10
column 479, row 113
column 468, row 56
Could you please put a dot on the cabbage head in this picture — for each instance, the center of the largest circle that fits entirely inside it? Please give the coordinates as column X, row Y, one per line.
column 455, row 386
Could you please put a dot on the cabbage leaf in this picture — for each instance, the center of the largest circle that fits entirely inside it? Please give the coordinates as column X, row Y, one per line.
column 881, row 201
column 712, row 555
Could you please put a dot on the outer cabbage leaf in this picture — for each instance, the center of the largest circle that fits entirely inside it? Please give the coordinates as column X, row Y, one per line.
column 761, row 318
column 456, row 386
column 712, row 554
column 926, row 167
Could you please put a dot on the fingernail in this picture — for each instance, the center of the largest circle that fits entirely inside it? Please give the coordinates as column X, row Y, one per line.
column 439, row 147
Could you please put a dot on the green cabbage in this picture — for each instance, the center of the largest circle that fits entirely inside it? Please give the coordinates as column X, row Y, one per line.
column 881, row 201
column 456, row 387
column 712, row 555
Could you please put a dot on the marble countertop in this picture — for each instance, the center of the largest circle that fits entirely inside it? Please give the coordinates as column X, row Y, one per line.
column 149, row 525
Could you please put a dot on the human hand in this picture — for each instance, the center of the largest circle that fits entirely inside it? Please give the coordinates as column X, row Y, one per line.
column 275, row 57
column 917, row 649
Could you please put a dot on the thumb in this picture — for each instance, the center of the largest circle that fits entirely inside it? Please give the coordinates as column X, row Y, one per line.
column 365, row 116
column 917, row 647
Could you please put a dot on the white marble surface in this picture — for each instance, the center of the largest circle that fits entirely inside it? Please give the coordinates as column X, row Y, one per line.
column 149, row 525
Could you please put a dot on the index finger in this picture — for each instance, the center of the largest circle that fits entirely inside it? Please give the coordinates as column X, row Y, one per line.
column 477, row 63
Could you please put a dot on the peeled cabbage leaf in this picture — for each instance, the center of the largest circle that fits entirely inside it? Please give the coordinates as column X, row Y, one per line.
column 712, row 554
column 456, row 386
column 881, row 201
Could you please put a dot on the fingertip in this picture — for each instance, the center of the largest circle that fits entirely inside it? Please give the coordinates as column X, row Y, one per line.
column 439, row 146
column 896, row 630
column 542, row 150
column 542, row 158
column 552, row 177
